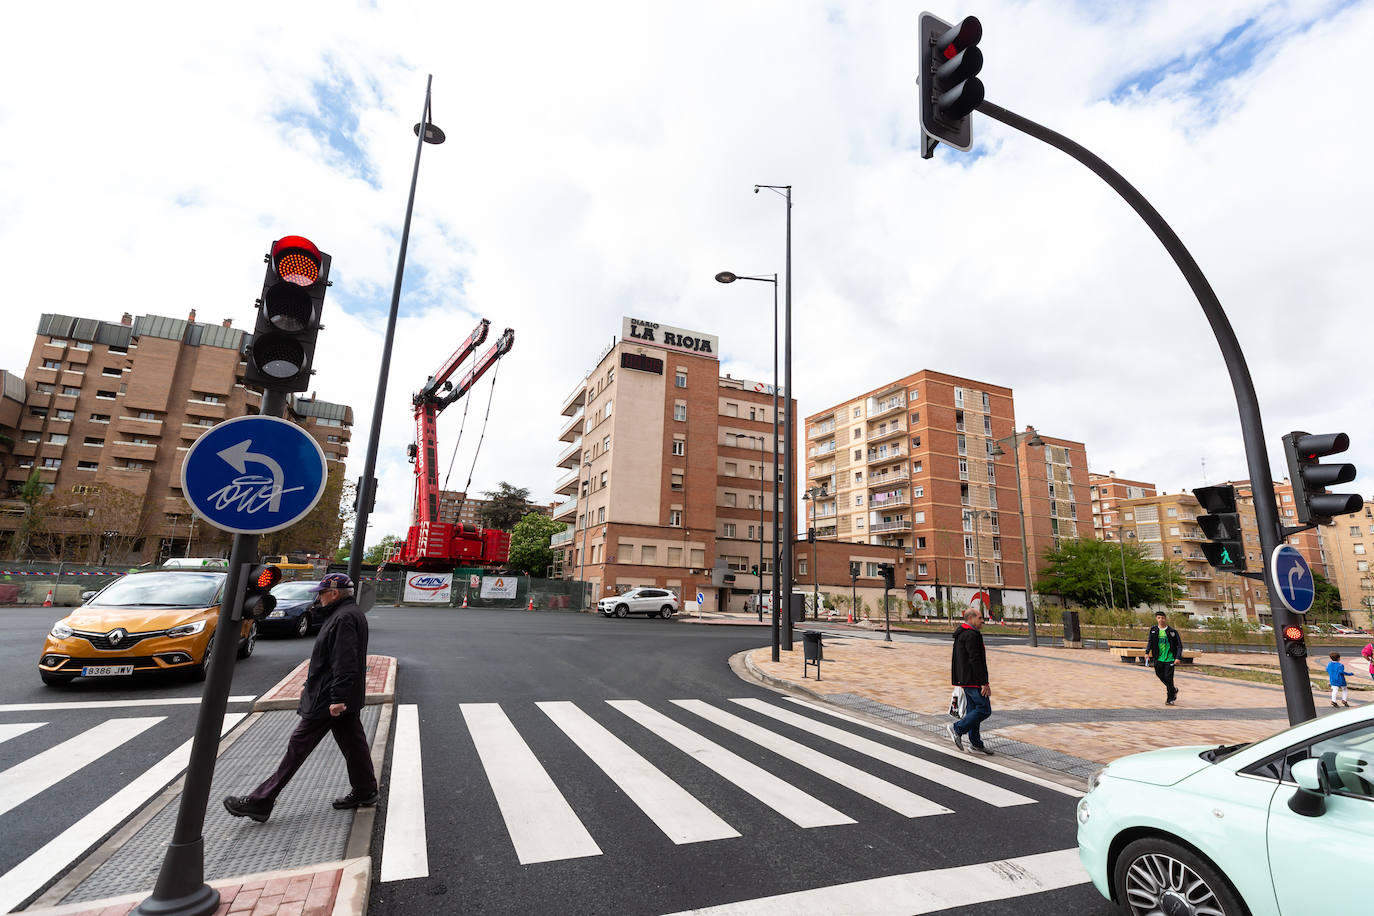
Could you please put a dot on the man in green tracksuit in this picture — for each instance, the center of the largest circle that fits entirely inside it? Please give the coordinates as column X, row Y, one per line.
column 1164, row 648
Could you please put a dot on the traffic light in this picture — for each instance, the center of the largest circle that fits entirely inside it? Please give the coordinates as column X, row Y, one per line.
column 1294, row 642
column 258, row 600
column 950, row 88
column 889, row 575
column 754, row 569
column 283, row 345
column 853, row 569
column 810, row 535
column 1225, row 548
column 1310, row 477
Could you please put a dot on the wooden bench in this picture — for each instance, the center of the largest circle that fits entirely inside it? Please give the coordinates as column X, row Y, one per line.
column 1133, row 651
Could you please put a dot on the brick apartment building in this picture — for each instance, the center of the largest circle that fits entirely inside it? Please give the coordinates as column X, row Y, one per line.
column 108, row 413
column 1106, row 492
column 669, row 470
column 1348, row 544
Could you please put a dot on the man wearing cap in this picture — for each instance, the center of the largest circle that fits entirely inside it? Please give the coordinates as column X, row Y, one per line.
column 331, row 701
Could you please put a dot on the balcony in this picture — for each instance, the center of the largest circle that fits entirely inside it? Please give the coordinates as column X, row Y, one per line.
column 822, row 429
column 568, row 484
column 826, row 448
column 576, row 399
column 213, row 410
column 134, row 426
column 573, row 427
column 891, row 477
column 899, row 525
column 891, row 500
column 571, row 457
column 565, row 509
column 889, row 454
column 562, row 537
column 896, row 429
column 878, row 407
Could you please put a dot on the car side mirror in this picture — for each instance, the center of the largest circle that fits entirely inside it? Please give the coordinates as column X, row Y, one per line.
column 1310, row 798
column 87, row 596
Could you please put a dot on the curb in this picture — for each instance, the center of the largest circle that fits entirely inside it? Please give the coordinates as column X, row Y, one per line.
column 273, row 699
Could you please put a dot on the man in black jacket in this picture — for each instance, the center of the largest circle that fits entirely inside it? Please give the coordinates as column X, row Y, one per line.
column 969, row 670
column 1164, row 647
column 331, row 701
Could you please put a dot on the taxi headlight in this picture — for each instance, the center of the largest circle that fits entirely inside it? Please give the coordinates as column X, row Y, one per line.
column 187, row 629
column 61, row 631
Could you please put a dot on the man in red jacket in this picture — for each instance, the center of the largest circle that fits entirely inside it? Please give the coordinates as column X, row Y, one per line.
column 969, row 670
column 331, row 703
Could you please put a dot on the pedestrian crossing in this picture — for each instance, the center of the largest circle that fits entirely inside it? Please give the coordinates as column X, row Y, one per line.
column 779, row 756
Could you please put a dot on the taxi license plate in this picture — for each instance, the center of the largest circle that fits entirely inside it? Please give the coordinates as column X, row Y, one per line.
column 106, row 670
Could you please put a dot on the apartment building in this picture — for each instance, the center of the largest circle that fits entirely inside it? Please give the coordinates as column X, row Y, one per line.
column 925, row 463
column 13, row 393
column 1349, row 545
column 110, row 410
column 1106, row 491
column 456, row 507
column 669, row 471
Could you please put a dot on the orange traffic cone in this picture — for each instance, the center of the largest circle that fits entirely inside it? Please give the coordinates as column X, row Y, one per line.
column 531, row 607
column 465, row 599
column 851, row 617
column 47, row 602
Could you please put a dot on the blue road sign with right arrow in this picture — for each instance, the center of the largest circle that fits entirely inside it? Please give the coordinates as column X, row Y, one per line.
column 1293, row 579
column 253, row 475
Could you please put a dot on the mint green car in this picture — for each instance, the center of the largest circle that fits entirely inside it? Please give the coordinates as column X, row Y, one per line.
column 1280, row 826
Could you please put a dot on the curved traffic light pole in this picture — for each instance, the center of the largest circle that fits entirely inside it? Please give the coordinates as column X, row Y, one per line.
column 1297, row 688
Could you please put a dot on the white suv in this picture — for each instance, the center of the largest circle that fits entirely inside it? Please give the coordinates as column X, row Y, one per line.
column 642, row 600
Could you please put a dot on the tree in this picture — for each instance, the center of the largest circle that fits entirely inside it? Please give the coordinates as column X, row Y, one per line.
column 1326, row 603
column 115, row 510
column 1088, row 572
column 507, row 506
column 30, row 493
column 345, row 550
column 381, row 550
column 319, row 531
column 529, row 544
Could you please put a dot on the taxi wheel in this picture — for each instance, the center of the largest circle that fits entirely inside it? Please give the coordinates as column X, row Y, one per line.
column 56, row 680
column 1154, row 875
column 250, row 642
column 199, row 672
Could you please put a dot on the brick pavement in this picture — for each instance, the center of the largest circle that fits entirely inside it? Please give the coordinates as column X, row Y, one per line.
column 915, row 676
column 381, row 685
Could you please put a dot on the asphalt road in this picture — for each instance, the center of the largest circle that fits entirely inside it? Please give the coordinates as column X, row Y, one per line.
column 466, row 667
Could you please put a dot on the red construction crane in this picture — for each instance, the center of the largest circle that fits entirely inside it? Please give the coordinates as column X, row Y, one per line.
column 433, row 545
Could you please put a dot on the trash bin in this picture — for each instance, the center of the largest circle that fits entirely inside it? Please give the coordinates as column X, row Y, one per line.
column 812, row 652
column 1073, row 635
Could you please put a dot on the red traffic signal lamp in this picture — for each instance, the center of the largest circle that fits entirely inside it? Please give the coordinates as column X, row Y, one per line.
column 950, row 61
column 1310, row 477
column 258, row 600
column 288, row 320
column 1294, row 641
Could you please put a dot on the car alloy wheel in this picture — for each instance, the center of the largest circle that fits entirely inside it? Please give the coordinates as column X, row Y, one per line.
column 666, row 611
column 247, row 645
column 202, row 671
column 1158, row 876
column 622, row 610
column 303, row 625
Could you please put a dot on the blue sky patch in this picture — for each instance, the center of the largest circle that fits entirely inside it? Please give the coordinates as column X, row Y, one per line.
column 334, row 121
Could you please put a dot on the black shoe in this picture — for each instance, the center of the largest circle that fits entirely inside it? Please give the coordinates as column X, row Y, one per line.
column 354, row 800
column 243, row 806
column 980, row 749
column 1169, row 702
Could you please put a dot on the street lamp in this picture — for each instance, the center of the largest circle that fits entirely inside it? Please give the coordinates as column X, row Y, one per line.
column 586, row 523
column 426, row 132
column 726, row 276
column 811, row 495
column 978, row 556
column 1032, row 439
column 1121, row 540
column 759, row 598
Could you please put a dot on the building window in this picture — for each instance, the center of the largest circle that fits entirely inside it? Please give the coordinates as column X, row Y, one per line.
column 730, row 499
column 731, row 468
column 65, row 415
column 680, row 379
column 676, row 482
column 87, row 465
column 604, row 475
column 858, row 499
column 856, row 413
column 601, row 515
column 92, row 440
column 675, row 518
column 679, row 447
column 105, row 395
column 52, row 364
column 52, row 462
column 111, row 373
column 729, row 529
column 679, row 411
column 606, row 444
column 858, row 454
column 920, row 543
column 859, row 522
column 81, row 345
column 71, row 391
column 648, row 554
column 970, row 574
column 801, row 567
column 57, row 438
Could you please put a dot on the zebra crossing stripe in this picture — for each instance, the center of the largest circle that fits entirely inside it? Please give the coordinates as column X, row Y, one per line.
column 884, row 793
column 405, row 850
column 539, row 820
column 44, row 770
column 114, row 704
column 936, row 890
column 783, row 797
column 672, row 808
column 953, row 779
column 14, row 729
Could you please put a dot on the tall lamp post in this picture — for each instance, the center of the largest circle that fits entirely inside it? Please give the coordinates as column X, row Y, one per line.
column 586, row 523
column 726, row 276
column 759, row 599
column 978, row 556
column 811, row 495
column 1032, row 439
column 426, row 132
column 1121, row 540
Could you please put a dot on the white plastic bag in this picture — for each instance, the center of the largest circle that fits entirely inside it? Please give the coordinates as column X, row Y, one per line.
column 958, row 703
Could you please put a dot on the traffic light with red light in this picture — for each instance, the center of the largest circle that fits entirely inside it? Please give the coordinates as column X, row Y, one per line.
column 258, row 600
column 1310, row 477
column 288, row 321
column 950, row 89
column 1225, row 547
column 1294, row 641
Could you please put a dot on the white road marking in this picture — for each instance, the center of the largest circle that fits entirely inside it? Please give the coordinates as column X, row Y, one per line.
column 28, row 876
column 783, row 797
column 405, row 849
column 672, row 808
column 884, row 793
column 539, row 820
column 923, row 891
column 944, row 749
column 114, row 704
column 15, row 729
column 953, row 779
column 44, row 770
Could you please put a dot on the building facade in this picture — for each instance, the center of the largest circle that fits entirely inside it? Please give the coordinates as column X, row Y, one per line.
column 1106, row 491
column 110, row 410
column 668, row 471
column 1349, row 546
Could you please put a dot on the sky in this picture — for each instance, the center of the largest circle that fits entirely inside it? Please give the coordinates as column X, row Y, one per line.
column 600, row 163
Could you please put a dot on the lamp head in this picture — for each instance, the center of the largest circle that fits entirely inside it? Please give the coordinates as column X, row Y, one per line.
column 432, row 133
column 997, row 451
column 726, row 277
column 1035, row 441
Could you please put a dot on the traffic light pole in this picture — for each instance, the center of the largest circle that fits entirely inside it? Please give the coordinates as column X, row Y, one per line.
column 181, row 889
column 1297, row 688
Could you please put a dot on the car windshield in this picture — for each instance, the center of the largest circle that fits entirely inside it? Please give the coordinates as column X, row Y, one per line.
column 159, row 589
column 294, row 591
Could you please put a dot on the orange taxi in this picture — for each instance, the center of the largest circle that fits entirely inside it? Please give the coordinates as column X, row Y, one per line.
column 161, row 620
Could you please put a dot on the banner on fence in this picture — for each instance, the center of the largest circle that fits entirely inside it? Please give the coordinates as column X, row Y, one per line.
column 499, row 586
column 434, row 588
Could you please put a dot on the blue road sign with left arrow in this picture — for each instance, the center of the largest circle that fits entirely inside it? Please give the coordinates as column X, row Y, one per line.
column 1293, row 578
column 253, row 475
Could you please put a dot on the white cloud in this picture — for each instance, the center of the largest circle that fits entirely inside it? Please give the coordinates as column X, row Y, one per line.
column 600, row 163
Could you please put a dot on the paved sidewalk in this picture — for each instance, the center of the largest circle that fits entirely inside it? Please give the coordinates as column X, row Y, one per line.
column 306, row 860
column 1066, row 709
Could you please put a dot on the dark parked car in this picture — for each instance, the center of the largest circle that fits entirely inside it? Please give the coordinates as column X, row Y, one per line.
column 292, row 616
